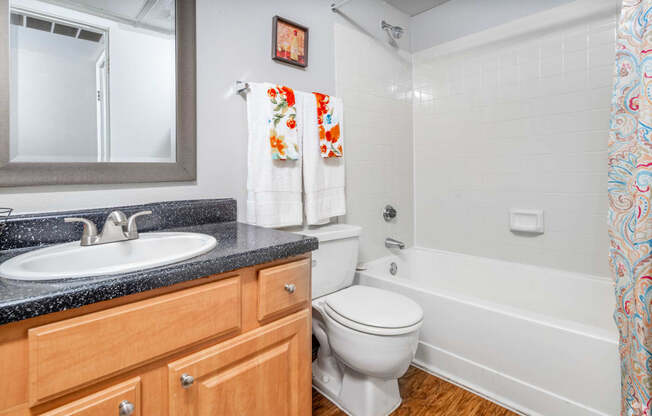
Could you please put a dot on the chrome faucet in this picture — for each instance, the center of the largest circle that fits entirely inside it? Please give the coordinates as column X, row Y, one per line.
column 392, row 243
column 117, row 227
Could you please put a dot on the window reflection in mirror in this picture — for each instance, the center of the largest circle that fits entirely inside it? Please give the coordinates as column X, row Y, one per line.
column 92, row 81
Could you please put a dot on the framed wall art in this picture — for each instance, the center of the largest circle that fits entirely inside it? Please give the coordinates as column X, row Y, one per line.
column 289, row 42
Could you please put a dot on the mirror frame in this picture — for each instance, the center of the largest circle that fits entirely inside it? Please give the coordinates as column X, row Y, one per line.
column 185, row 167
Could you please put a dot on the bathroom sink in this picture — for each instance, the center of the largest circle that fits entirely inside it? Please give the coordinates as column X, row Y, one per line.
column 70, row 260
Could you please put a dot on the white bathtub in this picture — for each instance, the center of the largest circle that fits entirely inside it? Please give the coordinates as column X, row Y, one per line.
column 539, row 341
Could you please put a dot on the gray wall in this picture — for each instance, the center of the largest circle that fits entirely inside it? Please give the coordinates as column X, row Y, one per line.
column 233, row 42
column 458, row 18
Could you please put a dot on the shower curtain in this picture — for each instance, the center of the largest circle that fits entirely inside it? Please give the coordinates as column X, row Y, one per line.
column 630, row 219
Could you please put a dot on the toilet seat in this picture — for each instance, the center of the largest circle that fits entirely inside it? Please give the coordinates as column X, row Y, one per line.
column 374, row 311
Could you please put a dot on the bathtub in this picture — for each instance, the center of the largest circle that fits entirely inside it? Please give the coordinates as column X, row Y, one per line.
column 536, row 340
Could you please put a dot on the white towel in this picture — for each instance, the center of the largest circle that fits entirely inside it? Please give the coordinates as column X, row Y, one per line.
column 323, row 178
column 273, row 186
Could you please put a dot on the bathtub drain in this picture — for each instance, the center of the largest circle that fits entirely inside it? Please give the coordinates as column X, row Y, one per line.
column 393, row 268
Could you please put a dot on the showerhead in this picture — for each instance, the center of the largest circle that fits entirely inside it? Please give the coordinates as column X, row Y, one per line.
column 394, row 31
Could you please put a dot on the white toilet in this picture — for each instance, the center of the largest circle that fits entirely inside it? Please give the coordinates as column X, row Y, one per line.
column 367, row 336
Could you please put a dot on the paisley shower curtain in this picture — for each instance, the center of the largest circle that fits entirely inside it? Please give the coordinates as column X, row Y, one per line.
column 630, row 219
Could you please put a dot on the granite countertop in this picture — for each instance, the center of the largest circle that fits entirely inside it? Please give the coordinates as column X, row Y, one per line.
column 238, row 245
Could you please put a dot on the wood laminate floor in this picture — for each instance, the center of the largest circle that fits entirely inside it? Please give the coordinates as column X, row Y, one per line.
column 425, row 395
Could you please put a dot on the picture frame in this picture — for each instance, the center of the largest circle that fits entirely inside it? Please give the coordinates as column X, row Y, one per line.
column 289, row 42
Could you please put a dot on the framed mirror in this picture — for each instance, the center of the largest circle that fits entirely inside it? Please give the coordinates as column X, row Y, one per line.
column 96, row 91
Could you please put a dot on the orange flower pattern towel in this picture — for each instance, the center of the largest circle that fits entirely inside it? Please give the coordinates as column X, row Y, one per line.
column 283, row 136
column 330, row 137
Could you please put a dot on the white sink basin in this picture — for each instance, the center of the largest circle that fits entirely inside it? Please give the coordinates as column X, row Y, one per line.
column 70, row 260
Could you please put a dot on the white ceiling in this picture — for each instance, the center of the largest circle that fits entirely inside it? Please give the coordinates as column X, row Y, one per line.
column 155, row 14
column 414, row 7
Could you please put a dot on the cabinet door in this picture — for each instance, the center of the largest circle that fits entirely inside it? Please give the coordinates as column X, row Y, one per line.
column 69, row 354
column 263, row 372
column 121, row 399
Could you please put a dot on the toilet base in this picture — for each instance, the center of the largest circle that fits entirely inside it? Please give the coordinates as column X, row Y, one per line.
column 357, row 394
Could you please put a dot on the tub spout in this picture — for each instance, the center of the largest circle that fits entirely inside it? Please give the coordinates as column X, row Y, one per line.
column 392, row 243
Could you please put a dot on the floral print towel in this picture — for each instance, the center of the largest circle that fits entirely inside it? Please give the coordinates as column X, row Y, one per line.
column 330, row 137
column 283, row 137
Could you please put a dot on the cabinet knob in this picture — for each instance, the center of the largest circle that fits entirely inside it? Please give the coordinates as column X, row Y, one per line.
column 187, row 380
column 126, row 408
column 290, row 287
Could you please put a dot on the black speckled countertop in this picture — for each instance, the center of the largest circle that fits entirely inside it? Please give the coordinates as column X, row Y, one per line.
column 238, row 245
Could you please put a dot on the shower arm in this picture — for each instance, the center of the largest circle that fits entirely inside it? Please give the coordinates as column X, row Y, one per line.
column 395, row 32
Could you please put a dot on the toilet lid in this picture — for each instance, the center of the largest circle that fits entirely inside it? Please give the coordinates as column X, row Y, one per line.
column 374, row 307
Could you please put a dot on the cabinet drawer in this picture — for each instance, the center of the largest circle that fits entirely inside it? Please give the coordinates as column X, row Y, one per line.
column 106, row 402
column 283, row 288
column 68, row 354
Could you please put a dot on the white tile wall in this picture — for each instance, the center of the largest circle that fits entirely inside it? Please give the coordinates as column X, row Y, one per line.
column 374, row 80
column 520, row 124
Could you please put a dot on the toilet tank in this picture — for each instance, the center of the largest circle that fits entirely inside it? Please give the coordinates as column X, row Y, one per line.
column 334, row 263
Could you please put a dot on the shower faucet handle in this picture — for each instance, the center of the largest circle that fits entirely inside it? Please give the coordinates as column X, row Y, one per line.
column 389, row 213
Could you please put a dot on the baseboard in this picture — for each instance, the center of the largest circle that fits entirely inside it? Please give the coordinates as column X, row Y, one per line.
column 448, row 378
column 509, row 392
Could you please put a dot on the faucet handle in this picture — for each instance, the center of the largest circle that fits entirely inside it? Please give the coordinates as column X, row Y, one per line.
column 90, row 230
column 132, row 230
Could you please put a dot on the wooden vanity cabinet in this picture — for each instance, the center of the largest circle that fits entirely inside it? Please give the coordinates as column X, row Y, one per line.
column 230, row 344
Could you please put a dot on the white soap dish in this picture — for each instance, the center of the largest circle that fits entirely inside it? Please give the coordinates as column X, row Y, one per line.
column 526, row 220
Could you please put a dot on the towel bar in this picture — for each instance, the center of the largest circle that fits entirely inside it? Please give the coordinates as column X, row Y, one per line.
column 241, row 87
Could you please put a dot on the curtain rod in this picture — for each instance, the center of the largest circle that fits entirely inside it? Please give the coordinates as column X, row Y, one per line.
column 337, row 5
